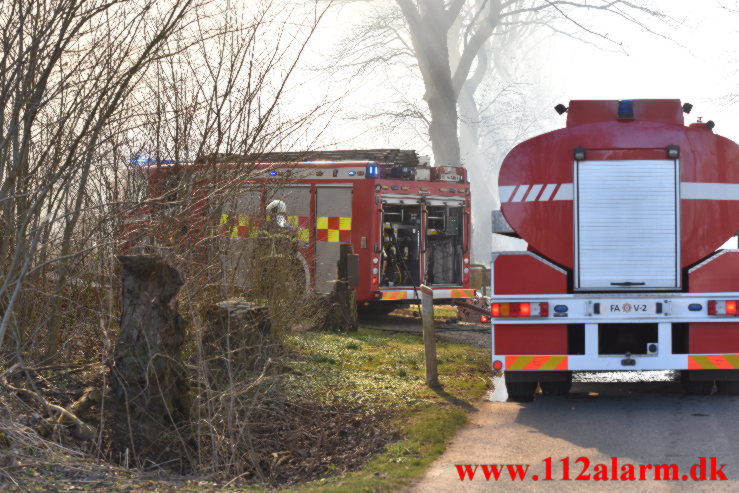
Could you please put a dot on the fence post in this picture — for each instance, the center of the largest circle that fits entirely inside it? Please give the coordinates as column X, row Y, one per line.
column 429, row 336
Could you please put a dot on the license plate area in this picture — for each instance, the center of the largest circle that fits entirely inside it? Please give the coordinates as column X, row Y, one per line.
column 626, row 308
column 450, row 177
column 619, row 339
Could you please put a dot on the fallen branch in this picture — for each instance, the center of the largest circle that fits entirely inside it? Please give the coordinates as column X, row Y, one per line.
column 80, row 429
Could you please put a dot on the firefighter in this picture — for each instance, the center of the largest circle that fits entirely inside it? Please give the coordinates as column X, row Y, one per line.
column 276, row 216
column 277, row 258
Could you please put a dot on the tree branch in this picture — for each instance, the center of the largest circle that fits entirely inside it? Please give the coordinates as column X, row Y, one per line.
column 485, row 29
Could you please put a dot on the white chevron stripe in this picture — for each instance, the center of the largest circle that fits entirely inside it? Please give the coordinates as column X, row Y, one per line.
column 529, row 193
column 533, row 193
column 506, row 191
column 548, row 191
column 522, row 189
column 688, row 191
column 564, row 192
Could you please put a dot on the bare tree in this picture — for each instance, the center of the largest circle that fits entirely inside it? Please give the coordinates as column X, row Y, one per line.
column 137, row 125
column 67, row 68
column 456, row 46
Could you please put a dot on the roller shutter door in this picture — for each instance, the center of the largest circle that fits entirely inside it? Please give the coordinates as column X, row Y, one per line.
column 627, row 225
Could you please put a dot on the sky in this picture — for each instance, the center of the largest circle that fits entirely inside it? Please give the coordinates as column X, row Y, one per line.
column 692, row 59
column 697, row 64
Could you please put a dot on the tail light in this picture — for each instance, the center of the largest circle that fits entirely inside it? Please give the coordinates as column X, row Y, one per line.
column 520, row 309
column 727, row 308
column 484, row 319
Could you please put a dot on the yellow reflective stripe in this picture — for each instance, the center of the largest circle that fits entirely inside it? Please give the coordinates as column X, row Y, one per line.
column 345, row 223
column 243, row 220
column 303, row 234
column 551, row 363
column 703, row 362
column 732, row 359
column 322, row 222
column 463, row 293
column 519, row 363
column 293, row 220
column 235, row 232
column 333, row 235
column 394, row 295
column 224, row 219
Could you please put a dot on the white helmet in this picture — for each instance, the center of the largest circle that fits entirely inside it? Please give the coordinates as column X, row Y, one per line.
column 276, row 207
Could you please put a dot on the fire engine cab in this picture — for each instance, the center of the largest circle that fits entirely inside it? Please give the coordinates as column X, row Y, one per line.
column 408, row 222
column 624, row 212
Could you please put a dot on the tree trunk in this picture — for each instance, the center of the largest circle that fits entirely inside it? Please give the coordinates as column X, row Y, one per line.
column 482, row 187
column 148, row 375
column 429, row 37
column 237, row 338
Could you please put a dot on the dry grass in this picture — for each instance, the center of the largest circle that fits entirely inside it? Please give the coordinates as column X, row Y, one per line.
column 354, row 415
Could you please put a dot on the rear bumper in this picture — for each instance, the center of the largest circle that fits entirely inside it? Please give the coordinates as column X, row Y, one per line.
column 390, row 294
column 663, row 359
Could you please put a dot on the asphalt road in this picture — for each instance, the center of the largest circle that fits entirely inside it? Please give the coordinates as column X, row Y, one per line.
column 638, row 423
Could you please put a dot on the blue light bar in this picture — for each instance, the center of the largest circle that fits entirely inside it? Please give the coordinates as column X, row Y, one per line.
column 560, row 308
column 695, row 307
column 352, row 173
column 372, row 171
column 273, row 173
column 151, row 160
column 626, row 110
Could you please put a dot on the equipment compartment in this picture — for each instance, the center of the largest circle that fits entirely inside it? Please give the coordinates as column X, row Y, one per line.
column 401, row 245
column 444, row 245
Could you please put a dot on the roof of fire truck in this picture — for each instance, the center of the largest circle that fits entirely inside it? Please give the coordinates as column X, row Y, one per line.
column 393, row 157
column 305, row 159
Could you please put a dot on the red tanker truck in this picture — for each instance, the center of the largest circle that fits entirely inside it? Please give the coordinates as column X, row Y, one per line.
column 624, row 211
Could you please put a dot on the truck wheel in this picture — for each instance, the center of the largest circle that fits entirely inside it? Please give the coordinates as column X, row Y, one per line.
column 728, row 387
column 376, row 309
column 695, row 387
column 556, row 388
column 520, row 391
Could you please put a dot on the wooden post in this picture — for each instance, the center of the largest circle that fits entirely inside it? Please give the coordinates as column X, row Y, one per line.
column 429, row 335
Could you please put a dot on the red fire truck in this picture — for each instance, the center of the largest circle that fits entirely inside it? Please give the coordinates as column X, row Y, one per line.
column 624, row 212
column 408, row 223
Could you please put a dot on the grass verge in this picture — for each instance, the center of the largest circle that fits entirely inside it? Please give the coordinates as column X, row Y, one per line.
column 385, row 373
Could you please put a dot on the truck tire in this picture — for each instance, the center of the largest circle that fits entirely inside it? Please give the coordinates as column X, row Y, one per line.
column 695, row 387
column 557, row 388
column 728, row 387
column 377, row 309
column 520, row 391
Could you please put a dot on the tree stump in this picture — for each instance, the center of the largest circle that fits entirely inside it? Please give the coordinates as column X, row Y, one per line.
column 237, row 337
column 341, row 313
column 149, row 377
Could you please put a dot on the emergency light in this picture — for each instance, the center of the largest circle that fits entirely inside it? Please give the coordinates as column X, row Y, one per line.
column 626, row 110
column 372, row 171
column 150, row 160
